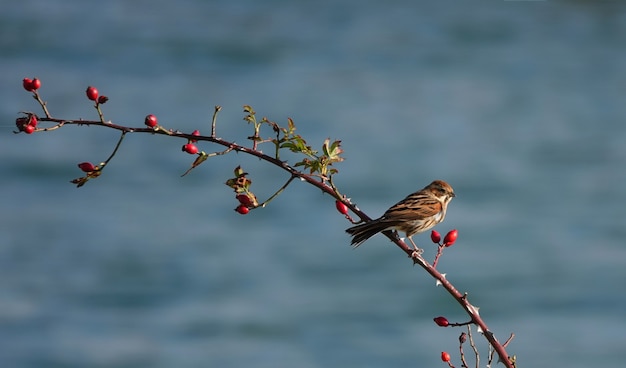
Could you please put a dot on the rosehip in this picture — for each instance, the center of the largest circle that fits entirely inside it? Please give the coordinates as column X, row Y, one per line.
column 92, row 93
column 32, row 121
column 87, row 166
column 35, row 84
column 29, row 129
column 245, row 200
column 450, row 237
column 151, row 121
column 341, row 207
column 196, row 133
column 445, row 356
column 441, row 321
column 242, row 209
column 190, row 148
column 27, row 83
column 435, row 237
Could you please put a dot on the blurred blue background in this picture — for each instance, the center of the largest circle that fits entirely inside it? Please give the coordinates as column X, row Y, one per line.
column 520, row 105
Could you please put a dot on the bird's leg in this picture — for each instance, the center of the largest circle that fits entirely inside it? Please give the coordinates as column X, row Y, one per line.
column 418, row 250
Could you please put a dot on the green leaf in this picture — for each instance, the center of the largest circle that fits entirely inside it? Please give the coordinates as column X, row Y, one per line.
column 335, row 148
column 202, row 156
column 231, row 182
column 239, row 171
column 290, row 145
column 325, row 146
column 291, row 126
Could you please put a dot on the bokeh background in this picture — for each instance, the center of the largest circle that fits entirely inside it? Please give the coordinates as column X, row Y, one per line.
column 520, row 105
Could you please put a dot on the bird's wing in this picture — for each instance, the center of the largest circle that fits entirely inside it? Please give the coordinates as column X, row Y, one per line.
column 414, row 208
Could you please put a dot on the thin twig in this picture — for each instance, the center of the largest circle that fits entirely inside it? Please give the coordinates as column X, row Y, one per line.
column 473, row 345
column 462, row 339
column 57, row 126
column 511, row 337
column 42, row 103
column 334, row 188
column 100, row 114
column 278, row 191
column 117, row 146
column 439, row 253
column 214, row 120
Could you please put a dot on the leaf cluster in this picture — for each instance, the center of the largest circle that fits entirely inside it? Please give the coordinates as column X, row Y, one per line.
column 319, row 164
column 240, row 183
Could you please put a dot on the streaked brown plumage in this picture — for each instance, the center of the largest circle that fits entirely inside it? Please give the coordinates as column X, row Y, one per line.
column 418, row 212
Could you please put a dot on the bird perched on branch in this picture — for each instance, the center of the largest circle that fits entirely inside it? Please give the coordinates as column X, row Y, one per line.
column 418, row 212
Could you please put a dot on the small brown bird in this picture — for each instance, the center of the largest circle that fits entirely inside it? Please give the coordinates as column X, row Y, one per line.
column 418, row 212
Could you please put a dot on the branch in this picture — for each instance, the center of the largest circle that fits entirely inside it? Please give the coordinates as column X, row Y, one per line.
column 320, row 174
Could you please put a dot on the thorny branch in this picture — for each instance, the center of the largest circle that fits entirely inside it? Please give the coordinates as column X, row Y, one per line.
column 320, row 175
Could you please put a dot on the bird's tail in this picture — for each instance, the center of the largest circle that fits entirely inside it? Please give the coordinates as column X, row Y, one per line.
column 361, row 233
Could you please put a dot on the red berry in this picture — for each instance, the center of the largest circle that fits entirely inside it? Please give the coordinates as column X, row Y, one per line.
column 341, row 207
column 196, row 133
column 190, row 148
column 441, row 321
column 92, row 93
column 445, row 356
column 29, row 129
column 151, row 121
column 245, row 200
column 32, row 121
column 435, row 237
column 450, row 237
column 27, row 83
column 87, row 166
column 35, row 84
column 242, row 209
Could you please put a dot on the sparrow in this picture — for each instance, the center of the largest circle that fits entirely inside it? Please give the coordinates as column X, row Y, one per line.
column 418, row 212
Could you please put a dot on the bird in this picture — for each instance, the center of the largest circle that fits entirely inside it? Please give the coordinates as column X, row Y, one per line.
column 418, row 212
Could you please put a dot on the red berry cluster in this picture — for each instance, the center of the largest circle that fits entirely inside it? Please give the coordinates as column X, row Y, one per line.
column 246, row 202
column 31, row 85
column 93, row 95
column 241, row 185
column 26, row 124
column 190, row 147
column 448, row 240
